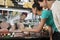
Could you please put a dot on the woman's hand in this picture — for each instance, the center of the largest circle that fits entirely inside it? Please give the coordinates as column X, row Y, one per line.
column 38, row 28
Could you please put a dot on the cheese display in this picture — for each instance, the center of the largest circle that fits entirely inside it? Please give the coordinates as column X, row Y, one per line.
column 27, row 5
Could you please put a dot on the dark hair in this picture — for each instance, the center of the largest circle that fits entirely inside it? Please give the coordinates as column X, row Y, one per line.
column 0, row 21
column 35, row 1
column 40, row 0
column 24, row 13
column 38, row 7
column 35, row 5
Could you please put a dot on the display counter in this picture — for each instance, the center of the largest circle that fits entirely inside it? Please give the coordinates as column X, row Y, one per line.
column 25, row 34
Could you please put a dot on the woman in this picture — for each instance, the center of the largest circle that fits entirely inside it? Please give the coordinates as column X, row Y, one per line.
column 49, row 29
column 46, row 18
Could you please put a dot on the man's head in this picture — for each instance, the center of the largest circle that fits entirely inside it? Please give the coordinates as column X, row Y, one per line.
column 49, row 3
column 45, row 3
column 42, row 3
column 23, row 15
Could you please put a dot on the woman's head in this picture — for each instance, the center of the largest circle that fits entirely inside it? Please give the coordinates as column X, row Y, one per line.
column 38, row 9
column 35, row 1
column 34, row 8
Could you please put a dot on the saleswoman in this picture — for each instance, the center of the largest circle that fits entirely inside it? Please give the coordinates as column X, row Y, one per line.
column 49, row 29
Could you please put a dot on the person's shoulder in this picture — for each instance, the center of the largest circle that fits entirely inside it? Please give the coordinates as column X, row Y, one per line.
column 45, row 11
column 56, row 3
column 45, row 14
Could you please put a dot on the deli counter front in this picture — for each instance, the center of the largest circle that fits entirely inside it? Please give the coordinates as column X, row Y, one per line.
column 9, row 16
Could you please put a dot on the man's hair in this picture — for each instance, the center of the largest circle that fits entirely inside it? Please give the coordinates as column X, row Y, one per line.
column 24, row 13
column 0, row 21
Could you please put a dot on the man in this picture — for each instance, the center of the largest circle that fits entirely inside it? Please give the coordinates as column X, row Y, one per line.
column 19, row 24
column 56, row 13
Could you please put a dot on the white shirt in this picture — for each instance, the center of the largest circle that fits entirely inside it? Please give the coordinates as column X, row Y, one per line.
column 29, row 16
column 56, row 13
column 12, row 21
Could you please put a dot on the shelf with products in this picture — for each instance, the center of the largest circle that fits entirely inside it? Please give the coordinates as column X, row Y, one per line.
column 11, row 12
column 26, row 4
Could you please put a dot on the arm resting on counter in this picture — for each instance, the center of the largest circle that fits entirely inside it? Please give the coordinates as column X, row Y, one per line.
column 40, row 26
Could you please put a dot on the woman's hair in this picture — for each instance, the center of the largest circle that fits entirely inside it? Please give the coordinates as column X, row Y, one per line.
column 0, row 21
column 38, row 7
column 35, row 4
column 35, row 1
column 40, row 0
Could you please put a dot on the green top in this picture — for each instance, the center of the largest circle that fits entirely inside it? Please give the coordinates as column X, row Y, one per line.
column 47, row 14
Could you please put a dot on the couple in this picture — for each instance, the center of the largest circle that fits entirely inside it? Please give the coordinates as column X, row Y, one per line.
column 42, row 8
